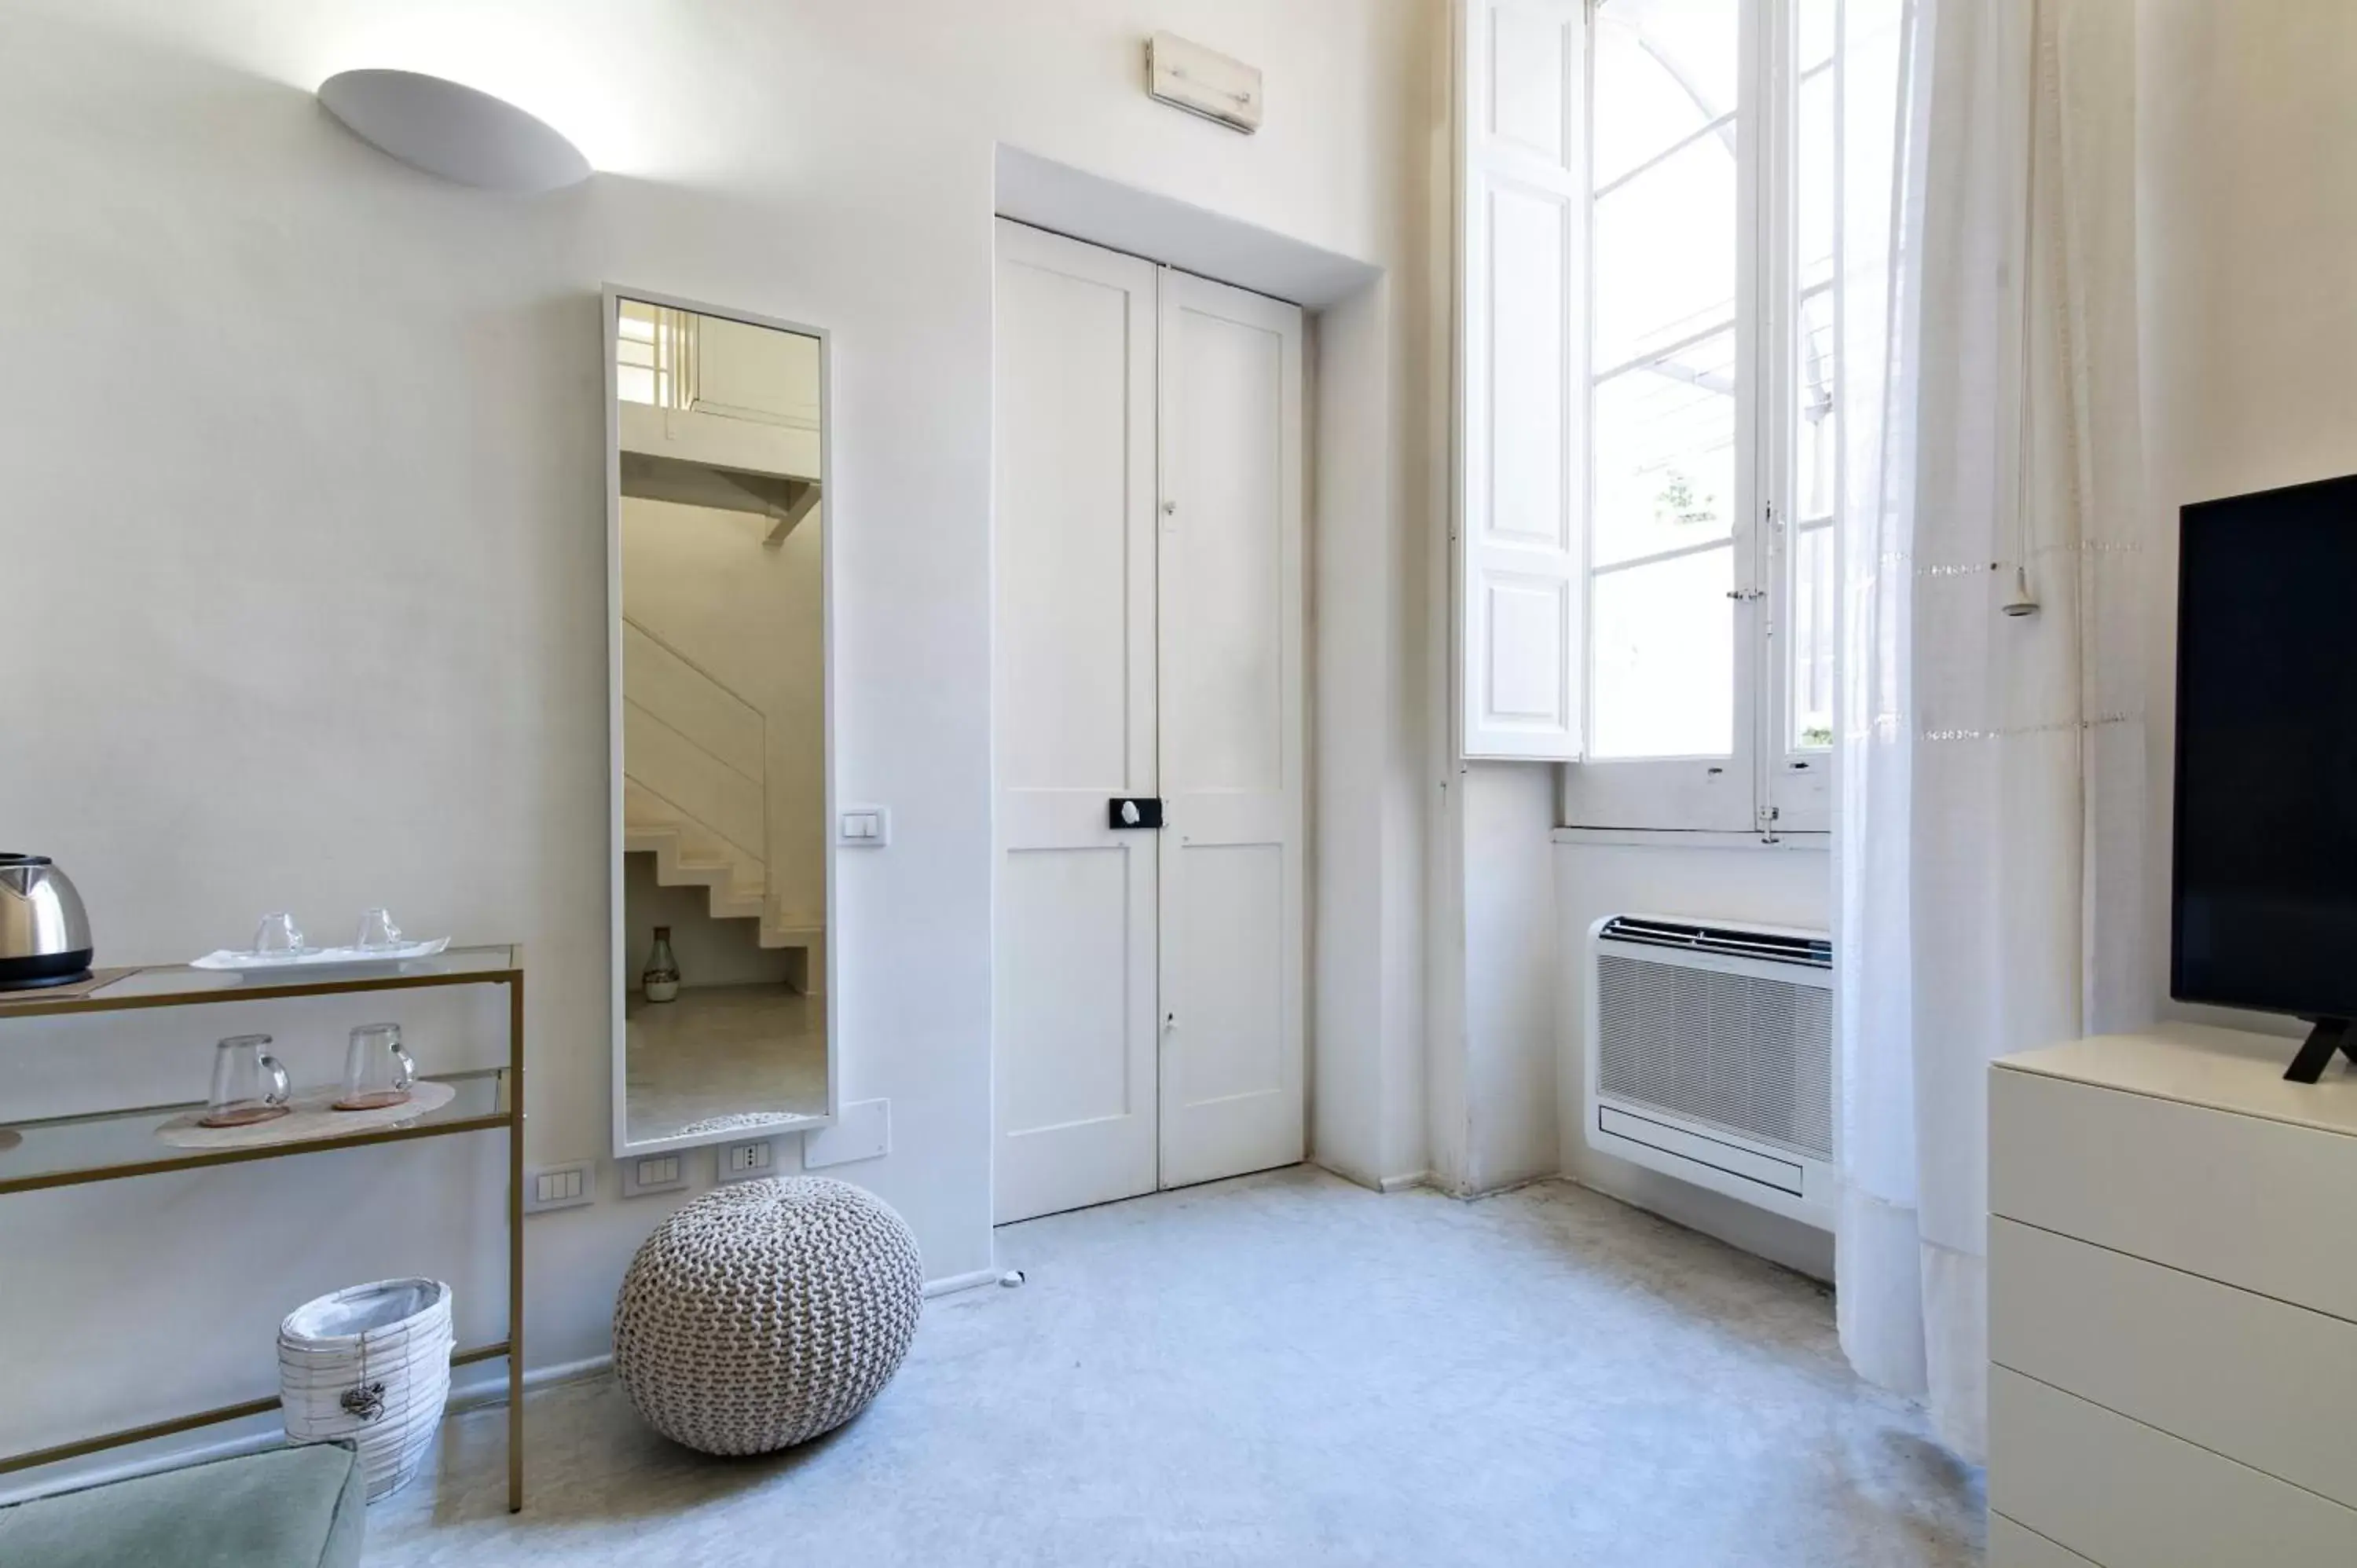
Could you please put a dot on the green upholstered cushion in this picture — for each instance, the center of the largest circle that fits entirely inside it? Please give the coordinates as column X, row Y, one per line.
column 289, row 1508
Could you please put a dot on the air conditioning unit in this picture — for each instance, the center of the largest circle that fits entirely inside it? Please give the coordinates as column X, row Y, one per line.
column 1710, row 1057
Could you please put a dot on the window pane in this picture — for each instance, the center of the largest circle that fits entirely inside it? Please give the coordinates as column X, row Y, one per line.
column 1816, row 420
column 1663, row 71
column 1814, row 175
column 1664, row 658
column 1818, row 20
column 1666, row 117
column 1812, row 637
column 1694, row 41
column 1815, row 433
column 1664, row 249
column 652, row 344
column 634, row 352
column 1665, row 453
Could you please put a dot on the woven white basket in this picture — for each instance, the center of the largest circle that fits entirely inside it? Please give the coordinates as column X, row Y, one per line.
column 372, row 1365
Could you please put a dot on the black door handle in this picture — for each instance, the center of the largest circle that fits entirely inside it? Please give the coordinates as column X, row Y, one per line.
column 1124, row 812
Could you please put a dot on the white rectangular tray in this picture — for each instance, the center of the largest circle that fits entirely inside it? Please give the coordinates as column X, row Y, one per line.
column 318, row 958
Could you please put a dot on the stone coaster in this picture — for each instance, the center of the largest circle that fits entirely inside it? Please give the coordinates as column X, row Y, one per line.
column 313, row 1118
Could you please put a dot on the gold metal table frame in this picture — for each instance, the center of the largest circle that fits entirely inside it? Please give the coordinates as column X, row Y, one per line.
column 71, row 1151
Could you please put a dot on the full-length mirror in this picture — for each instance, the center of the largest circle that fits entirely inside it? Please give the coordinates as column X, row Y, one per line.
column 722, row 876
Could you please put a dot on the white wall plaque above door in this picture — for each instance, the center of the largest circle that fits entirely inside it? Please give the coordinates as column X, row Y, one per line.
column 1203, row 81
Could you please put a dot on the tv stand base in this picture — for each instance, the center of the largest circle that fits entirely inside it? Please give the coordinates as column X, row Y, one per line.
column 2328, row 1038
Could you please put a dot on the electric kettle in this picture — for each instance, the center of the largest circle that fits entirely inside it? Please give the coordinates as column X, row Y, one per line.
column 44, row 933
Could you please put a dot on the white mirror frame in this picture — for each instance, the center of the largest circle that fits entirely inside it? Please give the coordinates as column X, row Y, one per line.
column 619, row 1042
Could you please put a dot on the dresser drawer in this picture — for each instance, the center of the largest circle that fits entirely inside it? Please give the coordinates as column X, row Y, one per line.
column 2254, row 1379
column 2011, row 1546
column 2259, row 1204
column 2126, row 1496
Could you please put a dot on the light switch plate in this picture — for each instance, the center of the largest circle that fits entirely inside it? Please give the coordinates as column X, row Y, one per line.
column 862, row 1130
column 862, row 827
column 643, row 1174
column 748, row 1160
column 559, row 1186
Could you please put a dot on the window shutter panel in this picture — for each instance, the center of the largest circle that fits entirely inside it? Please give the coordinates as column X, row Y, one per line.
column 1522, row 333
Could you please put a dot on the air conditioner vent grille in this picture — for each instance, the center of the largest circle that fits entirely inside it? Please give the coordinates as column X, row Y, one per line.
column 1745, row 1053
column 1727, row 942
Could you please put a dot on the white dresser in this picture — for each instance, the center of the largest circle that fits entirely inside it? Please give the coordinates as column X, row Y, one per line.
column 2173, row 1306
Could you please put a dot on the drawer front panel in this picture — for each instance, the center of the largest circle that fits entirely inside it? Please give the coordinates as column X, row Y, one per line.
column 2262, row 1205
column 2125, row 1495
column 2271, row 1385
column 2012, row 1546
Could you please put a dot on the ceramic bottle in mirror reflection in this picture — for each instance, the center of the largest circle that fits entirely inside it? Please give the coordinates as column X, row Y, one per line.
column 660, row 981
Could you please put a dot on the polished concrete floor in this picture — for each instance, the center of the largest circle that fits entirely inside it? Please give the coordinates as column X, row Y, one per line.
column 724, row 1055
column 1283, row 1369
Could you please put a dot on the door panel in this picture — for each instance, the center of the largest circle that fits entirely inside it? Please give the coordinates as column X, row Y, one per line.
column 1224, row 690
column 1228, row 954
column 1076, row 903
column 1230, row 666
column 1066, row 924
column 1065, row 557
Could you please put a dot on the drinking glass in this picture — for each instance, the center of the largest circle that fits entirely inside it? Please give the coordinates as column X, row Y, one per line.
column 249, row 1085
column 377, row 1072
column 377, row 931
column 278, row 936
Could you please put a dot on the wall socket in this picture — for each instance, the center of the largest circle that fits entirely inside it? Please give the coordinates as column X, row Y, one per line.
column 559, row 1186
column 747, row 1161
column 643, row 1174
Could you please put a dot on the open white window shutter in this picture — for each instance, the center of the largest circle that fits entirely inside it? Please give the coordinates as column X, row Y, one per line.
column 1522, row 330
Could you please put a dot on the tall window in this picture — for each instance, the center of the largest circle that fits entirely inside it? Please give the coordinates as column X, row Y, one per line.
column 654, row 355
column 1713, row 142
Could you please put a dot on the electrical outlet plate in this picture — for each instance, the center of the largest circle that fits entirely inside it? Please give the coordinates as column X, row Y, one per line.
column 573, row 1186
column 748, row 1160
column 644, row 1173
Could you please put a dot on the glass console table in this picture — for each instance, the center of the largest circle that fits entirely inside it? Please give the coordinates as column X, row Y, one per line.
column 113, row 1146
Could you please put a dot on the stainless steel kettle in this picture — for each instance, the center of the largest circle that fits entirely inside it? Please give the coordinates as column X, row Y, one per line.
column 43, row 932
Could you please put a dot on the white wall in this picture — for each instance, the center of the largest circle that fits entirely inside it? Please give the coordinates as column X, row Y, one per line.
column 1504, row 1102
column 1367, row 822
column 2247, row 226
column 310, row 631
column 1790, row 885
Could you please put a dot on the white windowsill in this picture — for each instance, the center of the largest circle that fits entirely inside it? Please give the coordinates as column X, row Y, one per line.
column 1677, row 838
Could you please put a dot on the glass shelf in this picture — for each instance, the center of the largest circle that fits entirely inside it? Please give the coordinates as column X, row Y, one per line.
column 178, row 985
column 66, row 1151
column 109, row 1146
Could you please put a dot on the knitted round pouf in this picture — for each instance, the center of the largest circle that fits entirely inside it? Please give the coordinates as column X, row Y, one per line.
column 766, row 1312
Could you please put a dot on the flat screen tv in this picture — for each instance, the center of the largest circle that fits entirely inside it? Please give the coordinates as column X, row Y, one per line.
column 2263, row 906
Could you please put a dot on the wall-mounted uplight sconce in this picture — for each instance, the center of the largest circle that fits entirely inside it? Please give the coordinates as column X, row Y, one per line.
column 453, row 131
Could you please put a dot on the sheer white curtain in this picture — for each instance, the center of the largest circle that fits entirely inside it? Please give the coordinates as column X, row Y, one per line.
column 1991, row 767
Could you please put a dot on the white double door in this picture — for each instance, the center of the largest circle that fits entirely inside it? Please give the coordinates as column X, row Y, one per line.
column 1148, row 1014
